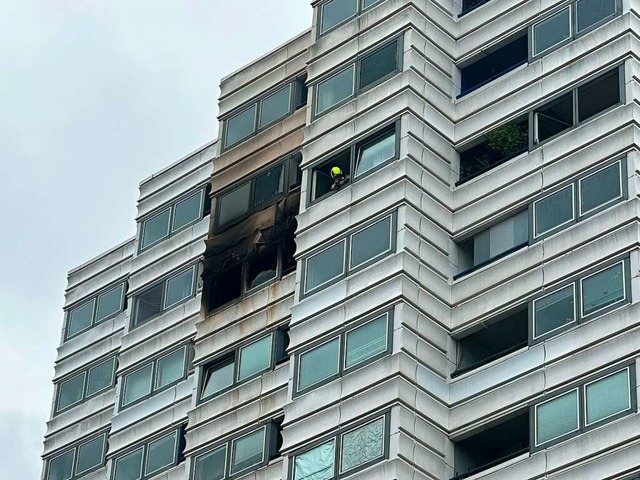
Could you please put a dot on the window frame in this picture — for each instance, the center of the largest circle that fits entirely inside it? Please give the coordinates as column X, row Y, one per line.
column 177, row 456
column 359, row 11
column 354, row 148
column 341, row 335
column 84, row 371
column 154, row 374
column 297, row 93
column 279, row 341
column 203, row 190
column 580, row 387
column 337, row 436
column 347, row 271
column 95, row 298
column 134, row 323
column 269, row 448
column 75, row 448
column 357, row 64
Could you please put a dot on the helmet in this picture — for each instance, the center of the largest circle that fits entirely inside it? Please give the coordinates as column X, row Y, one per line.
column 335, row 171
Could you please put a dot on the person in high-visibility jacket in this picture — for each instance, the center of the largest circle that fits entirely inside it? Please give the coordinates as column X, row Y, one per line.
column 338, row 177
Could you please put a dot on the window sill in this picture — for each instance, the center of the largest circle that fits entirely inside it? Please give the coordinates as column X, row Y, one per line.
column 489, row 362
column 495, row 77
column 487, row 263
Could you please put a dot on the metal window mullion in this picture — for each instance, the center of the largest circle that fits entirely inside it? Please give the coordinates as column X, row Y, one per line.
column 356, row 77
column 337, row 463
column 576, row 107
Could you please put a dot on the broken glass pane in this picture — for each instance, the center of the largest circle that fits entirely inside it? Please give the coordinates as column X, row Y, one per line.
column 316, row 464
column 362, row 445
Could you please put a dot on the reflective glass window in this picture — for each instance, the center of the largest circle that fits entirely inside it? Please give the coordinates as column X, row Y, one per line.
column 600, row 188
column 255, row 358
column 61, row 467
column 325, row 266
column 179, row 288
column 376, row 152
column 170, row 368
column 71, row 391
column 90, row 455
column 248, row 451
column 369, row 3
column 552, row 31
column 156, row 228
column 603, row 288
column 217, row 378
column 316, row 464
column 366, row 341
column 557, row 417
column 318, row 364
column 335, row 89
column 591, row 12
column 241, row 125
column 110, row 303
column 337, row 11
column 371, row 242
column 607, row 397
column 234, row 204
column 129, row 467
column 80, row 319
column 554, row 211
column 212, row 465
column 362, row 445
column 187, row 211
column 161, row 453
column 275, row 106
column 378, row 64
column 553, row 311
column 137, row 384
column 100, row 377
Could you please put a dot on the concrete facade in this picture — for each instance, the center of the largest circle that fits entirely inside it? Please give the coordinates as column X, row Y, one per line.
column 449, row 265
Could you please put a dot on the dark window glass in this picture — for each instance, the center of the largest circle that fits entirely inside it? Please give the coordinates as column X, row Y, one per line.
column 218, row 377
column 552, row 31
column 362, row 445
column 598, row 95
column 335, row 89
column 248, row 451
column 275, row 106
column 366, row 341
column 80, row 319
column 234, row 204
column 255, row 358
column 187, row 211
column 368, row 3
column 137, row 384
column 241, row 126
column 318, row 364
column 71, row 391
column 156, row 228
column 371, row 242
column 129, row 467
column 90, row 455
column 100, row 377
column 336, row 12
column 322, row 182
column 470, row 4
column 316, row 464
column 325, row 266
column 262, row 269
column 376, row 152
column 227, row 286
column 378, row 64
column 60, row 468
column 179, row 288
column 554, row 118
column 110, row 303
column 553, row 211
column 211, row 466
column 553, row 311
column 600, row 188
column 591, row 12
column 170, row 368
column 148, row 304
column 607, row 397
column 557, row 417
column 161, row 453
column 268, row 185
column 603, row 289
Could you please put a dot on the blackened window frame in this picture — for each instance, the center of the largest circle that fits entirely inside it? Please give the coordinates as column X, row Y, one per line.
column 85, row 371
column 76, row 447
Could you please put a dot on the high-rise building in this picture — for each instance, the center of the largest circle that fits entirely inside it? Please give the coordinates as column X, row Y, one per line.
column 411, row 253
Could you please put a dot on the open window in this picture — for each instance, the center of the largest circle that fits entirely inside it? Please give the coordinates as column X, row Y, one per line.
column 492, row 445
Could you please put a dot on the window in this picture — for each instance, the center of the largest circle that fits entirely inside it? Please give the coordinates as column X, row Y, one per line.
column 366, row 246
column 602, row 188
column 79, row 460
column 158, row 298
column 495, row 242
column 186, row 211
column 553, row 211
column 354, row 347
column 468, row 5
column 258, row 192
column 154, row 377
column 583, row 407
column 369, row 70
column 552, row 31
column 599, row 292
column 360, row 158
column 243, row 363
column 260, row 114
column 336, row 12
column 351, row 449
column 239, row 455
column 493, row 444
column 95, row 311
column 151, row 458
column 79, row 387
column 593, row 12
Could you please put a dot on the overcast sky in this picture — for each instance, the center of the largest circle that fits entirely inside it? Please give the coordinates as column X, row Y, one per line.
column 96, row 95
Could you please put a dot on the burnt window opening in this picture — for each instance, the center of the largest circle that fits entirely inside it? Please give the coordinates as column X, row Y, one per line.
column 262, row 190
column 262, row 269
column 496, row 147
column 226, row 286
column 493, row 445
column 495, row 63
column 494, row 341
